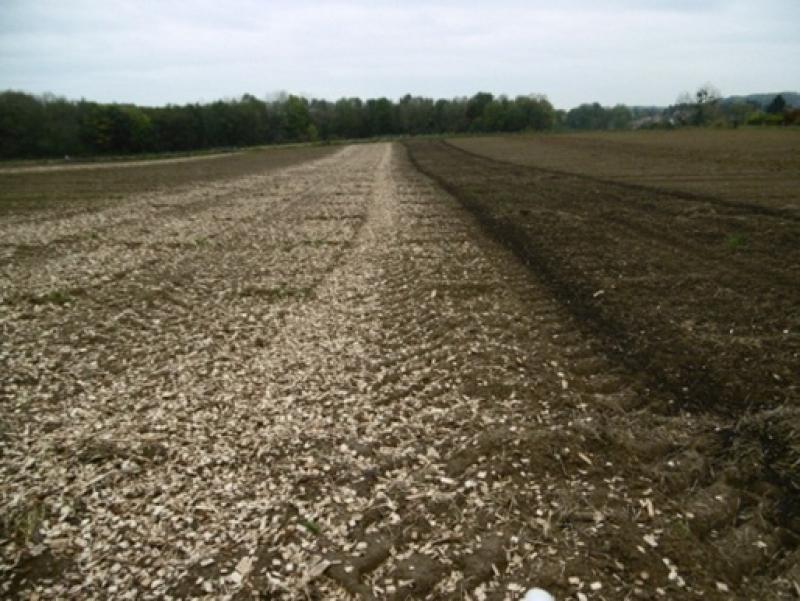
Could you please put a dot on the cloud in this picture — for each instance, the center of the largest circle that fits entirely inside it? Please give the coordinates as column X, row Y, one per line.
column 643, row 51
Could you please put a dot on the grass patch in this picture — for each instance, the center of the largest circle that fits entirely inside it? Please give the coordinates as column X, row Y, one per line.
column 22, row 525
column 736, row 241
column 311, row 526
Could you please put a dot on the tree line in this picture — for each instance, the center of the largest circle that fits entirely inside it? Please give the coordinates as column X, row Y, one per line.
column 708, row 108
column 50, row 126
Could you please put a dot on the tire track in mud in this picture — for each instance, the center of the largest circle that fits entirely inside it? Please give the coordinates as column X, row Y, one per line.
column 712, row 458
column 423, row 420
column 491, row 469
column 596, row 270
column 420, row 532
column 754, row 209
column 623, row 212
column 462, row 470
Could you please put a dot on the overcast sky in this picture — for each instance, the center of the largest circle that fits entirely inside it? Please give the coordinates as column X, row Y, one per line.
column 632, row 51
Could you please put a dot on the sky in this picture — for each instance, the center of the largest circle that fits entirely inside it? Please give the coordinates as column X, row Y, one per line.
column 637, row 52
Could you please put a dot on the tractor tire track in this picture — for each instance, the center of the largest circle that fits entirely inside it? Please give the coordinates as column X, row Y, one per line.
column 391, row 407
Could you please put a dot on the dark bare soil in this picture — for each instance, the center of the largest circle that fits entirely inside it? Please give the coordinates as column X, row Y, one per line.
column 75, row 187
column 756, row 167
column 699, row 298
column 696, row 297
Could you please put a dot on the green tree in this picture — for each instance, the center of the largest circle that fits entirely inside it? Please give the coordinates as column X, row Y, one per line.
column 539, row 113
column 136, row 130
column 619, row 117
column 298, row 118
column 587, row 116
column 60, row 127
column 322, row 117
column 21, row 120
column 380, row 117
column 777, row 106
column 475, row 108
column 450, row 115
column 415, row 114
column 349, row 118
column 97, row 129
column 179, row 128
column 706, row 107
column 32, row 126
column 738, row 113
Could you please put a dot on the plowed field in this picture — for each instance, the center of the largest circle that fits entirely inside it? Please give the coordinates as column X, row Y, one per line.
column 354, row 378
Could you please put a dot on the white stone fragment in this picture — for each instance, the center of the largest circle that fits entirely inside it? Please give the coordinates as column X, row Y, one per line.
column 538, row 594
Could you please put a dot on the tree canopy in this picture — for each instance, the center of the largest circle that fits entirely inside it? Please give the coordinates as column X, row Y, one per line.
column 46, row 126
column 49, row 126
column 777, row 106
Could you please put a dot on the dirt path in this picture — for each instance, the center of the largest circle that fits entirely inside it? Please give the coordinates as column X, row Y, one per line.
column 346, row 390
column 65, row 166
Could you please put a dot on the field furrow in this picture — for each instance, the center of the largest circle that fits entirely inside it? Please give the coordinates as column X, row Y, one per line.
column 328, row 382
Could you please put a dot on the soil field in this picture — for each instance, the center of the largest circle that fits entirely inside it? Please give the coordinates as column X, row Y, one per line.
column 759, row 167
column 697, row 296
column 336, row 379
column 74, row 188
column 111, row 162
